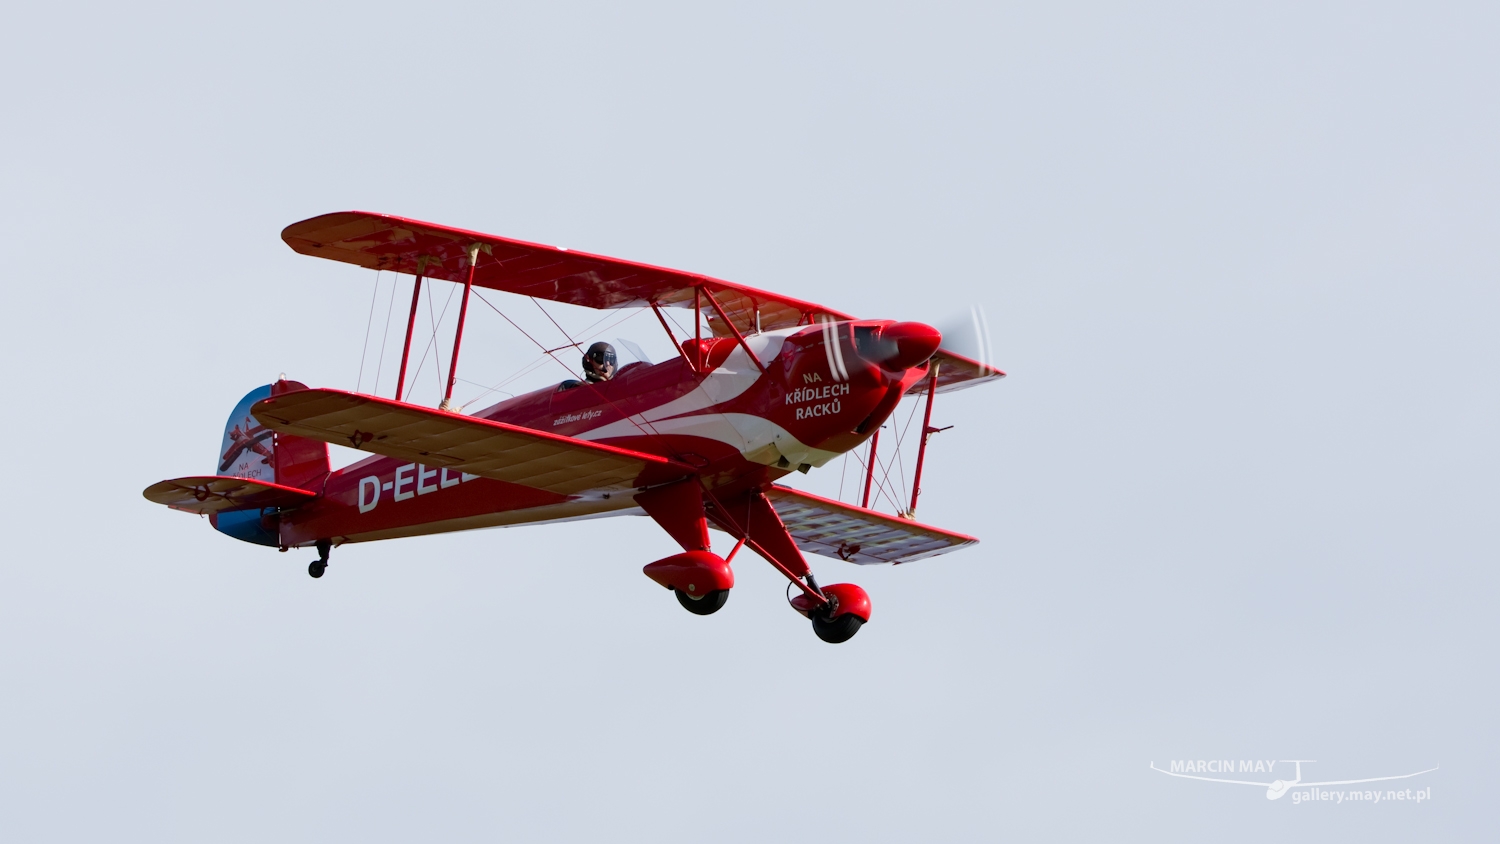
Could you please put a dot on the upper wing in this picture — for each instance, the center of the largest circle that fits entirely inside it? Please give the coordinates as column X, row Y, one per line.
column 385, row 242
column 955, row 372
column 834, row 529
column 218, row 494
column 478, row 446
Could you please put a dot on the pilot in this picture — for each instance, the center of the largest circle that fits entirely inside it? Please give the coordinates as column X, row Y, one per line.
column 599, row 363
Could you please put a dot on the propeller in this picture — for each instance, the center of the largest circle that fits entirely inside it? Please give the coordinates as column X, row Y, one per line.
column 968, row 333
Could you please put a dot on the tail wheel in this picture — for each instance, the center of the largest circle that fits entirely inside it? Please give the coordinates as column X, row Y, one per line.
column 708, row 604
column 837, row 630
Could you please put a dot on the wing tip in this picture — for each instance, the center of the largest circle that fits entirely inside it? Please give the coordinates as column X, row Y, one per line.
column 294, row 235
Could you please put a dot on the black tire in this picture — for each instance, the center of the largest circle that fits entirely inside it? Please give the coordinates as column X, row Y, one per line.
column 840, row 629
column 710, row 603
column 316, row 568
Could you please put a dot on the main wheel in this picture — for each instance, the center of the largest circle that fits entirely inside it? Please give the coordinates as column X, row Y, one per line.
column 316, row 568
column 837, row 630
column 710, row 603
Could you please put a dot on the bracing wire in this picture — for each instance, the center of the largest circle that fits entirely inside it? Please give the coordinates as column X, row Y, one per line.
column 628, row 417
column 370, row 320
column 532, row 366
column 894, row 462
column 486, row 389
column 432, row 340
column 546, row 353
column 882, row 480
column 673, row 318
column 538, row 303
column 437, row 359
column 535, row 364
column 843, row 475
column 889, row 493
column 900, row 440
column 886, row 486
column 380, row 362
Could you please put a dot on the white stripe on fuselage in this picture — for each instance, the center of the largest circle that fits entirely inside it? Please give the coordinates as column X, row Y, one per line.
column 838, row 350
column 833, row 371
column 735, row 376
column 836, row 369
column 744, row 432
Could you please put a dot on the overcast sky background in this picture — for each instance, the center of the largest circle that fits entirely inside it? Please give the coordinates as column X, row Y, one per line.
column 1237, row 497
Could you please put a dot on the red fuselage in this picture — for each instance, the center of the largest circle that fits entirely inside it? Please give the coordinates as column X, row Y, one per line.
column 825, row 388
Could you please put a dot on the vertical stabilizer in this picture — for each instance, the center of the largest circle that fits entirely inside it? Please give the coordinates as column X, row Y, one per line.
column 246, row 450
column 251, row 450
column 300, row 462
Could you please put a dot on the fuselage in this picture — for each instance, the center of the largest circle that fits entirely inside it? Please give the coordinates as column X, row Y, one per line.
column 825, row 388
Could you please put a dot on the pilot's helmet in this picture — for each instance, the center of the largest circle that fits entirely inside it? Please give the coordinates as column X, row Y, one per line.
column 599, row 362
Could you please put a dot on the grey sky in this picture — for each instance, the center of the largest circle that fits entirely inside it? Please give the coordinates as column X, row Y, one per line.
column 1237, row 498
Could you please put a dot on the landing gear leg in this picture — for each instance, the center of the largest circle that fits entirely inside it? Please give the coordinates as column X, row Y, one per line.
column 700, row 578
column 320, row 565
column 837, row 611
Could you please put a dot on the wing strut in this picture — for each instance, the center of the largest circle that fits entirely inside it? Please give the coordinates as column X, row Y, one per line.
column 870, row 469
column 411, row 320
column 737, row 335
column 458, row 338
column 692, row 364
column 767, row 536
column 927, row 431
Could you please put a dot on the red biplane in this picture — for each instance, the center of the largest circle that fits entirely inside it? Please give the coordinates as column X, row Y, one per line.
column 775, row 385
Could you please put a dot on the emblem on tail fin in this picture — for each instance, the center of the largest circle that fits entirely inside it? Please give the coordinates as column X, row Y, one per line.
column 250, row 438
column 246, row 451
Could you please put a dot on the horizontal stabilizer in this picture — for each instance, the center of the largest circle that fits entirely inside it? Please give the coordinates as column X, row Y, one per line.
column 221, row 494
column 857, row 535
column 496, row 450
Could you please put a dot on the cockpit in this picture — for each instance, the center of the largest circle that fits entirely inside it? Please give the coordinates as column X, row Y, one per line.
column 599, row 365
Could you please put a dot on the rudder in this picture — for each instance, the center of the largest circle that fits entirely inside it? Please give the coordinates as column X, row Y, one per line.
column 251, row 450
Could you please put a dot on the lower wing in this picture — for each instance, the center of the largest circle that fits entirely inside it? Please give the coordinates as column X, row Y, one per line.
column 857, row 535
column 510, row 453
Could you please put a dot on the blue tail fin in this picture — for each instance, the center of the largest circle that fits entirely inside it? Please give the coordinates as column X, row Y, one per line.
column 251, row 450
